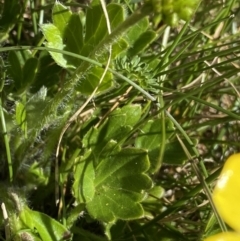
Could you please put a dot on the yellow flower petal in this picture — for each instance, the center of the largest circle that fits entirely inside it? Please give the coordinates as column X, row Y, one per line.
column 226, row 195
column 230, row 236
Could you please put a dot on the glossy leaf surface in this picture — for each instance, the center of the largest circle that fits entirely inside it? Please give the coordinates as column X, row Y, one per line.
column 230, row 236
column 226, row 195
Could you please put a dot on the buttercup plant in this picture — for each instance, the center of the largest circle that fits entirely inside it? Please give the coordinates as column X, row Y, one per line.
column 90, row 115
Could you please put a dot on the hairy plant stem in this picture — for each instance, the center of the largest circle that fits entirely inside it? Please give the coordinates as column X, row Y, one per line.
column 139, row 14
column 68, row 92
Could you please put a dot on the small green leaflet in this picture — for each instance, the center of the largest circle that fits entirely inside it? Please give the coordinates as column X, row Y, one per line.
column 47, row 228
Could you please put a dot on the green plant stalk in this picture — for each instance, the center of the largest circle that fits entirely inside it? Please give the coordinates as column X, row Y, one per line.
column 178, row 126
column 162, row 64
column 226, row 10
column 40, row 42
column 68, row 85
column 177, row 55
column 200, row 178
column 184, row 96
column 163, row 140
column 216, row 107
column 6, row 141
column 24, row 99
column 34, row 18
column 222, row 53
column 208, row 193
column 21, row 20
column 205, row 186
column 68, row 89
column 201, row 30
column 6, row 222
column 187, row 138
column 76, row 114
column 41, row 14
column 161, row 103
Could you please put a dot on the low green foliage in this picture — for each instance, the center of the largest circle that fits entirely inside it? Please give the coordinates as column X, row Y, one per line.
column 110, row 114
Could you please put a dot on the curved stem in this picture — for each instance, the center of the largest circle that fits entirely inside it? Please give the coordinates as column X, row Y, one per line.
column 6, row 141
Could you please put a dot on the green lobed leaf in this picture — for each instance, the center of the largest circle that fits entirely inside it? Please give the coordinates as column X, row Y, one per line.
column 94, row 21
column 119, row 183
column 84, row 175
column 96, row 140
column 150, row 138
column 152, row 204
column 156, row 192
column 128, row 115
column 65, row 33
column 116, row 128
